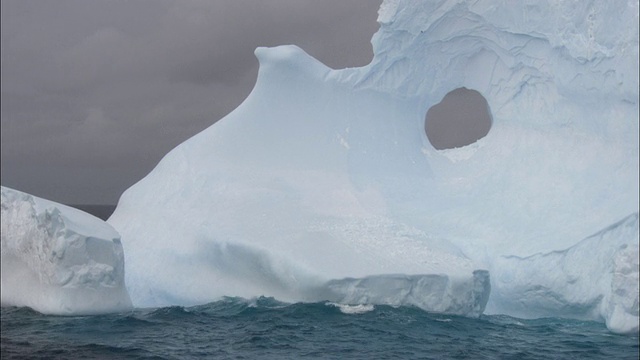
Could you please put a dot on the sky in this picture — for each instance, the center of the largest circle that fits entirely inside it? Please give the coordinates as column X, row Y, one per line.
column 95, row 93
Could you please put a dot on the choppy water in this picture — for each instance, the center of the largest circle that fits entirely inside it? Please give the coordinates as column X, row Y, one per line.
column 264, row 328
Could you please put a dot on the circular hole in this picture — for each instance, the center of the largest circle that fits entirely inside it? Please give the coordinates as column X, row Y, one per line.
column 461, row 118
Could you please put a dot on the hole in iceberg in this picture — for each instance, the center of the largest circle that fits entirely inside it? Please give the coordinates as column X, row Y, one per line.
column 460, row 119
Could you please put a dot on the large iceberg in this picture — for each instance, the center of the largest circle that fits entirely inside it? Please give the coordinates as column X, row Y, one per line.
column 322, row 184
column 59, row 260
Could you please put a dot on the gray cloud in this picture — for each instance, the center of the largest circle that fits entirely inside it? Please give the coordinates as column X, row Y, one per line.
column 94, row 93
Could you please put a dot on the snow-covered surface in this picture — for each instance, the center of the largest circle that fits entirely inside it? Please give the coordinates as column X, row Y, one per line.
column 325, row 177
column 59, row 260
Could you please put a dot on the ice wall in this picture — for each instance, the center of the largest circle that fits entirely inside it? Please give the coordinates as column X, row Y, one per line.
column 59, row 260
column 325, row 177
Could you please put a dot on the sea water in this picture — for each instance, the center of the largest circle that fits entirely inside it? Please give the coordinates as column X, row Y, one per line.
column 263, row 328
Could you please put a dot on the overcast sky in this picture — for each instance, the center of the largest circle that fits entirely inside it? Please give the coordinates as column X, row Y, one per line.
column 94, row 93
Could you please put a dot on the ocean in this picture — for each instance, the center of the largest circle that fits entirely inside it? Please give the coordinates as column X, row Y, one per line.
column 263, row 328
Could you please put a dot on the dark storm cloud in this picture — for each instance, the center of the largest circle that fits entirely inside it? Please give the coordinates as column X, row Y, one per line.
column 94, row 93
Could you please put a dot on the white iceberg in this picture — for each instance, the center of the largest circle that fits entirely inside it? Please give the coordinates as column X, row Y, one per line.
column 322, row 183
column 275, row 199
column 59, row 260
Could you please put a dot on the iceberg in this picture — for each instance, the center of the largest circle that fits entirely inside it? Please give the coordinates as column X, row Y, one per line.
column 281, row 198
column 322, row 184
column 59, row 260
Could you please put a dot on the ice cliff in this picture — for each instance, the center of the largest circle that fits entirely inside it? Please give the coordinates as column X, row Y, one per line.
column 59, row 260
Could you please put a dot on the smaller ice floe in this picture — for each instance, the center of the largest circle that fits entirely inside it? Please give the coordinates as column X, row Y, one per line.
column 444, row 320
column 59, row 260
column 353, row 309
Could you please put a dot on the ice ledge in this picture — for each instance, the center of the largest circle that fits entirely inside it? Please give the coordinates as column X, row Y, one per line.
column 433, row 292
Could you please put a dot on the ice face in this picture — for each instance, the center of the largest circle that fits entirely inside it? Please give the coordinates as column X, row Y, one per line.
column 434, row 292
column 59, row 260
column 321, row 175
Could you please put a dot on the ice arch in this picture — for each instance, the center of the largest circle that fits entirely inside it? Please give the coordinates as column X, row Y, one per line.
column 461, row 118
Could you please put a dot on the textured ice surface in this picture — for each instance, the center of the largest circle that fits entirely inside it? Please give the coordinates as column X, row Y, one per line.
column 594, row 279
column 323, row 175
column 59, row 260
column 438, row 293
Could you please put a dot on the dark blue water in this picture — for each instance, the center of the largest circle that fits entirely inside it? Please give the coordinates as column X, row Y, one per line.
column 266, row 329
